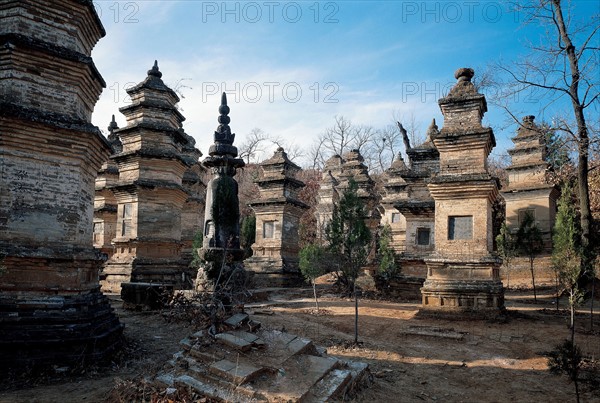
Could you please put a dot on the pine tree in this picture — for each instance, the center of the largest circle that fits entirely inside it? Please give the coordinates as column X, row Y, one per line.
column 566, row 254
column 248, row 234
column 385, row 254
column 349, row 239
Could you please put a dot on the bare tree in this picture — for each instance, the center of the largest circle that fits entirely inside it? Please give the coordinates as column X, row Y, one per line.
column 563, row 65
column 386, row 146
column 253, row 145
column 342, row 137
column 293, row 150
column 338, row 138
column 315, row 154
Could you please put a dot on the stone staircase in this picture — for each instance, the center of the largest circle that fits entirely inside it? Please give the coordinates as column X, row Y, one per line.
column 246, row 363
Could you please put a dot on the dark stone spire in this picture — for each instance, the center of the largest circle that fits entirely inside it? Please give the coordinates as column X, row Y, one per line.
column 223, row 146
column 154, row 70
column 113, row 139
column 223, row 134
column 112, row 126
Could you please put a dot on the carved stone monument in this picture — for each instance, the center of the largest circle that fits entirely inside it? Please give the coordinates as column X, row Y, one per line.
column 221, row 252
column 463, row 273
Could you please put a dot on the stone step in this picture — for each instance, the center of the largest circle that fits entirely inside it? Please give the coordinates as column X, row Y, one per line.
column 236, row 372
column 210, row 390
column 361, row 376
column 298, row 375
column 242, row 341
column 206, row 356
column 237, row 320
column 332, row 385
column 205, row 375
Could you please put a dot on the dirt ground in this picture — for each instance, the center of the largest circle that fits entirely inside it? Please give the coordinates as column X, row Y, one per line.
column 413, row 359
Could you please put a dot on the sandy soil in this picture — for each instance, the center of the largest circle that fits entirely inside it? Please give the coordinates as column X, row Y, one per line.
column 413, row 359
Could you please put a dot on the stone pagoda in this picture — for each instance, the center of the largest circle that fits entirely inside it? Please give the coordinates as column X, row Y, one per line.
column 418, row 206
column 278, row 211
column 150, row 193
column 395, row 191
column 328, row 194
column 529, row 190
column 222, row 269
column 105, row 203
column 51, row 308
column 463, row 273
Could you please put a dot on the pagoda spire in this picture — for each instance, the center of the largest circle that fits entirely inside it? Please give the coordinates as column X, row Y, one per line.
column 154, row 70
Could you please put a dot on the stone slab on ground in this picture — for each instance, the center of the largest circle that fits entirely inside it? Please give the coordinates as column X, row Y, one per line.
column 434, row 332
column 299, row 374
column 237, row 320
column 210, row 390
column 236, row 372
column 286, row 368
column 332, row 385
column 233, row 341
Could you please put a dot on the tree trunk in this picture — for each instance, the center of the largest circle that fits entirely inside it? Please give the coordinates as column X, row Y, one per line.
column 572, row 303
column 557, row 284
column 592, row 302
column 532, row 278
column 355, row 315
column 315, row 292
column 583, row 138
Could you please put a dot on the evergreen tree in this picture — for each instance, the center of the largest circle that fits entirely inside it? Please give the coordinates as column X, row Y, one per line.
column 349, row 239
column 248, row 234
column 385, row 254
column 566, row 254
column 529, row 243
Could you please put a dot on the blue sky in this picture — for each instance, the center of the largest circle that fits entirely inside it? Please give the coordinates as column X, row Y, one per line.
column 290, row 67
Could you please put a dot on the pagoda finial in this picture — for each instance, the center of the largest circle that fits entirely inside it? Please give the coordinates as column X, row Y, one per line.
column 432, row 130
column 223, row 133
column 464, row 74
column 112, row 125
column 154, row 70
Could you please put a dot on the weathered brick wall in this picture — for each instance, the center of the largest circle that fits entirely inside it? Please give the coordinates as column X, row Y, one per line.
column 480, row 243
column 34, row 207
column 518, row 273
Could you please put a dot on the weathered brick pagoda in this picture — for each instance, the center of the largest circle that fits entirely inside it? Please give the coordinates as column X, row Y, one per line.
column 463, row 273
column 105, row 203
column 150, row 192
column 418, row 206
column 51, row 307
column 278, row 211
column 395, row 191
column 529, row 190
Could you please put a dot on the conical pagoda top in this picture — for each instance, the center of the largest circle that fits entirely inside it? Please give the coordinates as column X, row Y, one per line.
column 223, row 133
column 154, row 70
column 112, row 126
column 464, row 86
column 223, row 148
column 432, row 132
